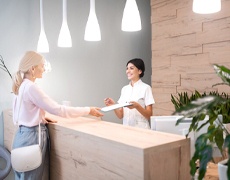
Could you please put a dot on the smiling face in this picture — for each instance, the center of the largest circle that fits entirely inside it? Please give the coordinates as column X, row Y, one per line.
column 133, row 73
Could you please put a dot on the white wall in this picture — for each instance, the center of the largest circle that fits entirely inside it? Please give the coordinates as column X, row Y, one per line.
column 89, row 71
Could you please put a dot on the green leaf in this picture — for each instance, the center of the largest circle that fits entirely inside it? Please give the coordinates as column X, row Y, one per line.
column 193, row 166
column 203, row 152
column 205, row 157
column 227, row 144
column 219, row 139
column 200, row 106
column 223, row 73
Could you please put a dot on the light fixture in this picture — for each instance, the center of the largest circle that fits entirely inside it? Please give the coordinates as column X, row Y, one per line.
column 92, row 30
column 131, row 20
column 206, row 6
column 43, row 45
column 64, row 39
column 47, row 66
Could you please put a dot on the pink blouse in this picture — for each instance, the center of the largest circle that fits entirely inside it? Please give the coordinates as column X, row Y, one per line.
column 34, row 104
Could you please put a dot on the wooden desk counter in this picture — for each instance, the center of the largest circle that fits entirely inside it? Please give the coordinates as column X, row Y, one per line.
column 85, row 148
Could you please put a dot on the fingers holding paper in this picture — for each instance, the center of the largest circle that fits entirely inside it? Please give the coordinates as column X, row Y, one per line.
column 94, row 111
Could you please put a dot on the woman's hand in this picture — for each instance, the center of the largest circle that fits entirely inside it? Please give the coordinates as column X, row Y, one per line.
column 134, row 105
column 49, row 121
column 94, row 111
column 109, row 101
column 146, row 112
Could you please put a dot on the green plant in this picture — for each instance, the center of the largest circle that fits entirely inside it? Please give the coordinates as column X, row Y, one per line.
column 3, row 66
column 211, row 105
column 183, row 99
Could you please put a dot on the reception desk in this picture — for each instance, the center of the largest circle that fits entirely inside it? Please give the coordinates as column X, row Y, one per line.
column 90, row 149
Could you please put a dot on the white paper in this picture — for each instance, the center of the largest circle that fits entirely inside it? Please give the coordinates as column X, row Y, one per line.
column 115, row 106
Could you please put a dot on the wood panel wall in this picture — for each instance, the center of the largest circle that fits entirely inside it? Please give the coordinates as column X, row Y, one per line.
column 184, row 47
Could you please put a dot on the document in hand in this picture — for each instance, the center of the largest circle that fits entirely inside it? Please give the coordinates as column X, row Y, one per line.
column 115, row 106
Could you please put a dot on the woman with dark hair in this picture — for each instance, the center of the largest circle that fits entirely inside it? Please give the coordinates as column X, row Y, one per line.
column 137, row 93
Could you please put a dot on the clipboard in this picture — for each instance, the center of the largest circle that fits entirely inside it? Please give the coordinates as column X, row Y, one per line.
column 115, row 106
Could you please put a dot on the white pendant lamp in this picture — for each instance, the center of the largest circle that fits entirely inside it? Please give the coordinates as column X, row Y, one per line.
column 47, row 66
column 64, row 39
column 92, row 30
column 131, row 20
column 206, row 6
column 43, row 45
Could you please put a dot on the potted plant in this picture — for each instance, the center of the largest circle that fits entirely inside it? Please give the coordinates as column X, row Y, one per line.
column 3, row 66
column 211, row 105
column 183, row 99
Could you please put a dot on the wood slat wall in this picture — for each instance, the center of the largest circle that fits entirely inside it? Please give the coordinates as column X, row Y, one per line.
column 184, row 47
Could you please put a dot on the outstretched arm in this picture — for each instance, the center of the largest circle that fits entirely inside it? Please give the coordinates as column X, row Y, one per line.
column 118, row 112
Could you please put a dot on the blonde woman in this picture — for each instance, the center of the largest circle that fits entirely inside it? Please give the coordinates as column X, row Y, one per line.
column 33, row 102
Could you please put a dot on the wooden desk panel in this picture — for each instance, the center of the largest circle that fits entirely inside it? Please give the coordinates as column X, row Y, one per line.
column 85, row 148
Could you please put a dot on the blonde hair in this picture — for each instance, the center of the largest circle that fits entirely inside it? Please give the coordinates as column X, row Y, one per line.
column 31, row 58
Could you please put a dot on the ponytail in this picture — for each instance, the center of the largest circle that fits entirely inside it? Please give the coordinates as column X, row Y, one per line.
column 17, row 81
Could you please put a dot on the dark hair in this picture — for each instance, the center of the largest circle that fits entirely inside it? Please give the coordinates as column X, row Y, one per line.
column 139, row 63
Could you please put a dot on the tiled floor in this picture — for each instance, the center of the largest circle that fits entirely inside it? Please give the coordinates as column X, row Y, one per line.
column 212, row 172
